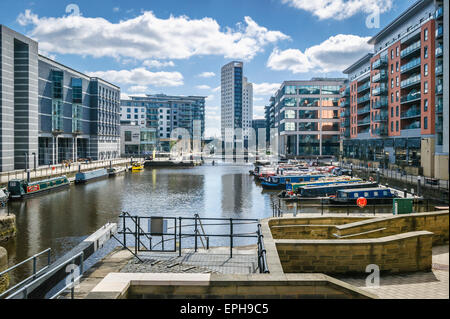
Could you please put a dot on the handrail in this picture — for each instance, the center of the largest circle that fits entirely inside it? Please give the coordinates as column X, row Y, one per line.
column 35, row 272
column 24, row 290
column 262, row 258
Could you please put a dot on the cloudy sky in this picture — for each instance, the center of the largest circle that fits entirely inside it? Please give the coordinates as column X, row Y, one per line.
column 179, row 46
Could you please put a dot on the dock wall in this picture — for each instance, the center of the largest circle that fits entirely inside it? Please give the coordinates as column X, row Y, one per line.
column 7, row 227
column 4, row 280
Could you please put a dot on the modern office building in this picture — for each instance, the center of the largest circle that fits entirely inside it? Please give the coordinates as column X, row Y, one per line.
column 269, row 115
column 50, row 111
column 393, row 109
column 306, row 117
column 165, row 113
column 257, row 125
column 137, row 140
column 236, row 100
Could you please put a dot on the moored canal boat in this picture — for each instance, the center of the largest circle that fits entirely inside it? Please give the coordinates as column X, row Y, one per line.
column 377, row 195
column 137, row 167
column 87, row 177
column 20, row 189
column 280, row 182
column 331, row 190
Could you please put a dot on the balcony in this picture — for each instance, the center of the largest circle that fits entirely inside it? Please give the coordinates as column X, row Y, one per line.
column 412, row 126
column 411, row 113
column 380, row 90
column 346, row 113
column 364, row 87
column 439, row 13
column 380, row 77
column 380, row 131
column 412, row 96
column 365, row 121
column 413, row 80
column 379, row 63
column 381, row 103
column 439, row 105
column 440, row 69
column 413, row 64
column 381, row 117
column 439, row 32
column 413, row 48
column 346, row 103
column 439, row 50
column 364, row 99
column 364, row 110
column 346, row 92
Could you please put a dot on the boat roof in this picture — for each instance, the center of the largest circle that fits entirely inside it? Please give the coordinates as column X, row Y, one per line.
column 365, row 189
column 339, row 185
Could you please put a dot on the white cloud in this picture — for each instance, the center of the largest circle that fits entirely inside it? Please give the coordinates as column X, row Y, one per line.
column 340, row 9
column 265, row 88
column 158, row 64
column 334, row 54
column 138, row 89
column 140, row 77
column 216, row 89
column 207, row 75
column 203, row 87
column 116, row 9
column 148, row 37
column 210, row 98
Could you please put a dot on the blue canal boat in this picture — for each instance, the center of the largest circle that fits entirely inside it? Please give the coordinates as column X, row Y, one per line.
column 91, row 176
column 377, row 195
column 20, row 189
column 330, row 190
column 280, row 182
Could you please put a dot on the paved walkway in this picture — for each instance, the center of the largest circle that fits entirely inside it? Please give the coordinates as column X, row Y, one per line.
column 420, row 285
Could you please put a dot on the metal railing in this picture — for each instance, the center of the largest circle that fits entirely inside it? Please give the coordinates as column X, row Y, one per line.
column 23, row 292
column 36, row 272
column 262, row 258
column 171, row 232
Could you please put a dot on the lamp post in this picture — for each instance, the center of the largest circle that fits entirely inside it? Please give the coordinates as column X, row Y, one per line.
column 34, row 158
column 418, row 185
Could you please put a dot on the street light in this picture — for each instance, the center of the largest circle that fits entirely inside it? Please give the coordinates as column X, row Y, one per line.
column 26, row 167
column 34, row 158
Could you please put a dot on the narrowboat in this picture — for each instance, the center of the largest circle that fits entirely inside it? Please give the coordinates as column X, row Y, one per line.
column 20, row 189
column 293, row 187
column 114, row 171
column 332, row 189
column 280, row 182
column 377, row 195
column 4, row 195
column 86, row 177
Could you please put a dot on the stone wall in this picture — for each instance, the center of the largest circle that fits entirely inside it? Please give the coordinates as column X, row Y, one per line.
column 393, row 254
column 221, row 286
column 4, row 280
column 7, row 227
column 436, row 222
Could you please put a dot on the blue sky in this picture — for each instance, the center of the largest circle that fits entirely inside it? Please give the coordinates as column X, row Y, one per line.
column 179, row 46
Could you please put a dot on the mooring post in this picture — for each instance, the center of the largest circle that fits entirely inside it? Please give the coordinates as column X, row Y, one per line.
column 195, row 234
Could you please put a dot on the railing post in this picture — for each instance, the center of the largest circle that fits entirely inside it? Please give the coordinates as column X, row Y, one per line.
column 231, row 237
column 179, row 237
column 72, row 288
column 195, row 233
column 136, row 235
column 34, row 266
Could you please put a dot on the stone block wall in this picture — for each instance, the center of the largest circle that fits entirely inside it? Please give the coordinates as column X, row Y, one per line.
column 393, row 254
column 7, row 227
column 437, row 223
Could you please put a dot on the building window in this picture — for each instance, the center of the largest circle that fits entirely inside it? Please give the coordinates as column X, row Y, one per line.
column 392, row 54
column 129, row 116
column 392, row 69
column 397, row 49
column 128, row 110
column 425, row 105
column 396, row 66
column 425, row 122
column 397, row 96
column 425, row 52
column 397, row 81
column 425, row 87
column 392, row 83
column 127, row 136
column 392, row 111
column 396, row 110
column 425, row 69
column 392, row 97
column 425, row 35
column 396, row 126
column 392, row 125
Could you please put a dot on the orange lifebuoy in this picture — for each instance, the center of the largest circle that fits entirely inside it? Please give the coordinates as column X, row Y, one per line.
column 361, row 202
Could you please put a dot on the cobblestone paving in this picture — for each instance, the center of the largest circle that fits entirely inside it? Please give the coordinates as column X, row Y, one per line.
column 419, row 285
